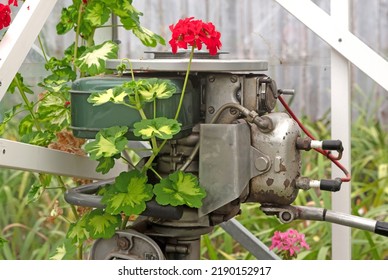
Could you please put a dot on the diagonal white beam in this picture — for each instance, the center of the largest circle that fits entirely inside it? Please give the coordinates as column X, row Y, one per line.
column 19, row 38
column 339, row 38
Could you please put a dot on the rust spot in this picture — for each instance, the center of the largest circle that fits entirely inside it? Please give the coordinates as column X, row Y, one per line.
column 286, row 183
column 269, row 182
column 282, row 167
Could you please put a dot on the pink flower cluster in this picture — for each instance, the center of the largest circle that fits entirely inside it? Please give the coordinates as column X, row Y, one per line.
column 195, row 33
column 5, row 13
column 289, row 242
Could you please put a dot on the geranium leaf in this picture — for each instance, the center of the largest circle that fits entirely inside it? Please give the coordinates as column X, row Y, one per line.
column 39, row 138
column 97, row 13
column 26, row 125
column 162, row 128
column 128, row 194
column 77, row 232
column 93, row 60
column 65, row 252
column 54, row 111
column 179, row 189
column 105, row 164
column 68, row 16
column 156, row 88
column 35, row 192
column 147, row 37
column 101, row 224
column 109, row 142
column 114, row 95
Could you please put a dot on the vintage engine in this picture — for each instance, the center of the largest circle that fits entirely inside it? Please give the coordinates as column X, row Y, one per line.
column 241, row 150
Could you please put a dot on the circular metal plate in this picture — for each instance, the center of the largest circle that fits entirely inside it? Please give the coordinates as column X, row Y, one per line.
column 198, row 65
column 126, row 245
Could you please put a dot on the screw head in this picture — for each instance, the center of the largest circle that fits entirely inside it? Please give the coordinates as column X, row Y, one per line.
column 211, row 110
column 234, row 79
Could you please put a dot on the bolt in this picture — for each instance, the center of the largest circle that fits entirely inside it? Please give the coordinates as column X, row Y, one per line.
column 212, row 79
column 261, row 163
column 234, row 79
column 233, row 111
column 123, row 243
column 286, row 216
column 211, row 110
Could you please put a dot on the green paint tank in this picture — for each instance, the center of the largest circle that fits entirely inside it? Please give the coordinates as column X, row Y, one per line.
column 87, row 120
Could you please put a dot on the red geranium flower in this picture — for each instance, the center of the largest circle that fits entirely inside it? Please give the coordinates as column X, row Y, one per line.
column 13, row 2
column 194, row 32
column 5, row 16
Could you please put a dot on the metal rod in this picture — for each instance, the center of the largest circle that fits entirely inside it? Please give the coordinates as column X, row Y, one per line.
column 248, row 240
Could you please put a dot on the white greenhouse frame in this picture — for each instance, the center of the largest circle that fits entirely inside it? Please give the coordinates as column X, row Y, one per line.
column 333, row 29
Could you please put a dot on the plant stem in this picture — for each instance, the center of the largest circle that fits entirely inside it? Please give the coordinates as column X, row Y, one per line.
column 156, row 173
column 124, row 222
column 130, row 67
column 77, row 32
column 27, row 102
column 80, row 251
column 42, row 48
column 185, row 83
column 155, row 108
column 148, row 164
column 64, row 188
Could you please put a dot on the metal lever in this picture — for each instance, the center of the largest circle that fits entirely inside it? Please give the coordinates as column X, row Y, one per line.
column 289, row 213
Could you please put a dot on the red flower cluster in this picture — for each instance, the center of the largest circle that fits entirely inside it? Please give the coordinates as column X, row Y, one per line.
column 193, row 32
column 5, row 13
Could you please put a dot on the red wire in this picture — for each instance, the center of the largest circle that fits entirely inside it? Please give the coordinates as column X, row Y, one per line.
column 323, row 152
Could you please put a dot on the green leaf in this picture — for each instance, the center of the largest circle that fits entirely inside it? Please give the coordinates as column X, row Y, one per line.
column 115, row 95
column 26, row 125
column 156, row 88
column 162, row 128
column 8, row 116
column 105, row 164
column 64, row 252
column 35, row 192
column 147, row 37
column 180, row 189
column 68, row 19
column 77, row 232
column 129, row 15
column 96, row 13
column 53, row 110
column 109, row 142
column 92, row 61
column 17, row 83
column 38, row 138
column 128, row 194
column 2, row 241
column 101, row 224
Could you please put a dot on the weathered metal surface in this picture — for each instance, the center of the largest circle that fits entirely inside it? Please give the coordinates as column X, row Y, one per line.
column 277, row 186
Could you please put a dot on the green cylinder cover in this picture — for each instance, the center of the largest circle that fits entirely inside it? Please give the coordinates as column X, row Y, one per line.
column 87, row 120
